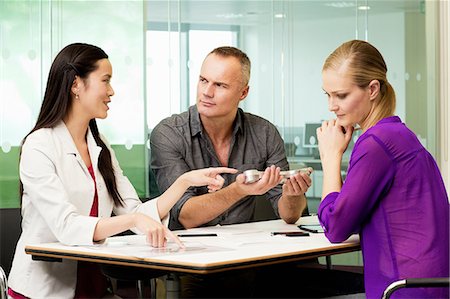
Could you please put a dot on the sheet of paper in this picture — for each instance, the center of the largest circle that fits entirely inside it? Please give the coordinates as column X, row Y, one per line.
column 136, row 246
column 308, row 220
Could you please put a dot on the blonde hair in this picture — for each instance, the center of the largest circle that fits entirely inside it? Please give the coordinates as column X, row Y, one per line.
column 240, row 56
column 365, row 63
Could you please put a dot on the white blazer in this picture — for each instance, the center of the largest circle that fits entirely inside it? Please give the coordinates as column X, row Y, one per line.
column 57, row 199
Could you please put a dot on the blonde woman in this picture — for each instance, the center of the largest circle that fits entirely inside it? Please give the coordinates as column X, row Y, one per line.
column 394, row 195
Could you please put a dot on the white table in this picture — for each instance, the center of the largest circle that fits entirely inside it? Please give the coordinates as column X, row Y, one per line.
column 235, row 247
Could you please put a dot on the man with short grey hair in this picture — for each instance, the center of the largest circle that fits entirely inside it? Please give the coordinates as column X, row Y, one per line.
column 216, row 132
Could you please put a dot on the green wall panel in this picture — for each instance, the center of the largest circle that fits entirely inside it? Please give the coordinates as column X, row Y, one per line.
column 9, row 178
column 131, row 161
column 133, row 165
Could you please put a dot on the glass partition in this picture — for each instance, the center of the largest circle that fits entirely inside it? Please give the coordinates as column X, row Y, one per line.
column 156, row 48
column 31, row 34
column 287, row 42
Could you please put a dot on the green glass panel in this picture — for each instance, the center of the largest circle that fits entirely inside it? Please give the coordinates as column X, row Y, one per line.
column 131, row 161
column 133, row 165
column 9, row 178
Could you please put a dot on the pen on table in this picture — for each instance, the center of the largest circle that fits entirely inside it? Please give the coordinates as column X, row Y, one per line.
column 197, row 235
column 291, row 234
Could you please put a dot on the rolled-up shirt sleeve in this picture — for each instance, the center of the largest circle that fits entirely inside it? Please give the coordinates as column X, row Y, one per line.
column 370, row 174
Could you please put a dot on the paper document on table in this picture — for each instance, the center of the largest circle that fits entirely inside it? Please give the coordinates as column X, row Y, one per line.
column 146, row 251
column 137, row 246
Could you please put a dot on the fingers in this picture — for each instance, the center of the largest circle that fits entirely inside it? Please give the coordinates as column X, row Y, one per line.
column 333, row 127
column 156, row 236
column 304, row 182
column 298, row 184
column 322, row 129
column 319, row 132
column 217, row 170
column 240, row 179
column 309, row 170
column 173, row 237
column 275, row 177
column 207, row 177
column 292, row 187
column 211, row 181
column 217, row 185
column 348, row 132
column 271, row 176
column 330, row 124
column 220, row 180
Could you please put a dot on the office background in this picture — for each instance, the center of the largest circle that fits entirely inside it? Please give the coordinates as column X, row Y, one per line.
column 156, row 49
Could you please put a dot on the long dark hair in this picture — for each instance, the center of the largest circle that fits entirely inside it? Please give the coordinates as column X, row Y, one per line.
column 74, row 60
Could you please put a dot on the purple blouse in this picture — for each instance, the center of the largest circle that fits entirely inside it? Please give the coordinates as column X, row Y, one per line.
column 395, row 198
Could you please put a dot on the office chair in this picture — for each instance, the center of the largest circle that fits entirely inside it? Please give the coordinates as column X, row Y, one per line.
column 436, row 282
column 134, row 274
column 3, row 285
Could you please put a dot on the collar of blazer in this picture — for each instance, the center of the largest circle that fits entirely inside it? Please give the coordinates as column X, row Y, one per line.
column 69, row 147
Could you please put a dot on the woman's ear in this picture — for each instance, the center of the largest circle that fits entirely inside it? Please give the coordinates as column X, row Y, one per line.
column 374, row 89
column 75, row 86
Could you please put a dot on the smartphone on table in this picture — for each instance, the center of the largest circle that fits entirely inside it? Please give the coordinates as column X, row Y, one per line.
column 316, row 228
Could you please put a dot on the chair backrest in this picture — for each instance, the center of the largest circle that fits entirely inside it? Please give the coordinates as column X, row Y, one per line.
column 10, row 230
column 435, row 282
column 3, row 285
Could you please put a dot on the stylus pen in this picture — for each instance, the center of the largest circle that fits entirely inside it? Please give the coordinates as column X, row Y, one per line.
column 278, row 233
column 290, row 234
column 197, row 235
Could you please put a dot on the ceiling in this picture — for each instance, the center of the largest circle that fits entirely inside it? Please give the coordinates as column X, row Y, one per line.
column 253, row 12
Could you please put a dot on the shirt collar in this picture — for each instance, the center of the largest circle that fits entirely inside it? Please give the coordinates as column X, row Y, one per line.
column 238, row 125
column 389, row 119
column 194, row 118
column 196, row 124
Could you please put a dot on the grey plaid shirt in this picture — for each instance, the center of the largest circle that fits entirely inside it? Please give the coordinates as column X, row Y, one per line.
column 179, row 143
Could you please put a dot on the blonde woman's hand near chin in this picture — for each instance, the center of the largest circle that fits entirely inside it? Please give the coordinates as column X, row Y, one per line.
column 207, row 177
column 157, row 234
column 333, row 138
column 333, row 141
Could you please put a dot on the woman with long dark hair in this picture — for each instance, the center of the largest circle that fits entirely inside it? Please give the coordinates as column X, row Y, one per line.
column 71, row 181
